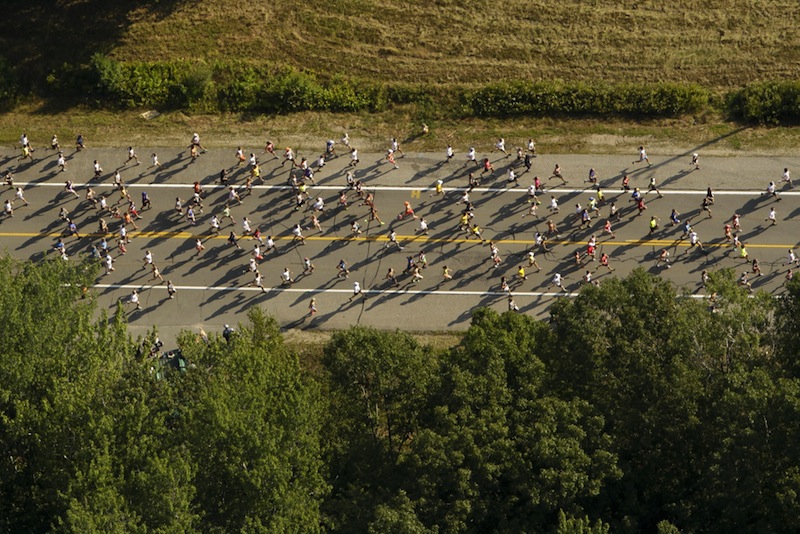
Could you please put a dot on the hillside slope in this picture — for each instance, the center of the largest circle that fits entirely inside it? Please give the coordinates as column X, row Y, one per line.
column 717, row 43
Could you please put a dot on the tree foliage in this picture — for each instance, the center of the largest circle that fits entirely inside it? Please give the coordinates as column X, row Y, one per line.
column 93, row 441
column 636, row 408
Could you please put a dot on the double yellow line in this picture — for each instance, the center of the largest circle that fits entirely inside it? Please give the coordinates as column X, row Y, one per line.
column 405, row 238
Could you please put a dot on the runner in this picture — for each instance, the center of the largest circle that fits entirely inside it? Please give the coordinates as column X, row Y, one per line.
column 471, row 158
column 771, row 217
column 757, row 267
column 607, row 229
column 694, row 240
column 653, row 187
column 233, row 239
column 134, row 299
column 396, row 147
column 407, row 212
column 393, row 240
column 438, row 190
column 642, row 157
column 604, row 262
column 357, row 291
column 558, row 281
column 500, row 146
column 297, row 234
column 19, row 196
column 446, row 274
column 487, row 167
column 269, row 148
column 557, row 174
column 353, row 158
column 392, row 278
column 663, row 257
column 131, row 157
column 772, row 191
column 423, row 227
column 342, row 269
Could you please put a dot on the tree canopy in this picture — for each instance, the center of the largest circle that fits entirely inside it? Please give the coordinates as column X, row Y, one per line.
column 635, row 408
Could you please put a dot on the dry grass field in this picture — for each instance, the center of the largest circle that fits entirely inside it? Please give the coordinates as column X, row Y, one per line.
column 721, row 44
column 717, row 43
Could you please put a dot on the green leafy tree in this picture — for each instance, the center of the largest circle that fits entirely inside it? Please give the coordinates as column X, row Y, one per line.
column 251, row 422
column 497, row 452
column 58, row 372
column 95, row 440
column 397, row 516
column 580, row 525
column 788, row 319
column 655, row 364
column 378, row 383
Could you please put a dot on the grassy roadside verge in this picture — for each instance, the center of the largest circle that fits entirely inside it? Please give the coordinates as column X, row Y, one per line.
column 309, row 344
column 370, row 131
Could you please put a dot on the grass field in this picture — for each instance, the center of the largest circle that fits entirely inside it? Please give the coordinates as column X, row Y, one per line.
column 721, row 44
column 371, row 132
column 717, row 43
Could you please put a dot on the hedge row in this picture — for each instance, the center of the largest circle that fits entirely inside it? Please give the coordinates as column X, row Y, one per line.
column 243, row 87
column 246, row 87
column 545, row 98
column 226, row 87
column 767, row 103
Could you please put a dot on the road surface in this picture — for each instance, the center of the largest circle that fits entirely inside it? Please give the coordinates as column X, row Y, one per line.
column 213, row 287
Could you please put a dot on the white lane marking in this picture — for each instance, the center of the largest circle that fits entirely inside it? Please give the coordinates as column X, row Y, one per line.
column 370, row 292
column 368, row 187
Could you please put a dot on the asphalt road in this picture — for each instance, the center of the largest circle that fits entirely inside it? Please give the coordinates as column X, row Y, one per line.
column 213, row 287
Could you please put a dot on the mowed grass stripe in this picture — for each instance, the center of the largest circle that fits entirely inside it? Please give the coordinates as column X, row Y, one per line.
column 446, row 42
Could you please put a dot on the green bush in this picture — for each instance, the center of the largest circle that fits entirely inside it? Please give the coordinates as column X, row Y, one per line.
column 237, row 86
column 766, row 102
column 131, row 85
column 544, row 98
column 290, row 90
column 342, row 94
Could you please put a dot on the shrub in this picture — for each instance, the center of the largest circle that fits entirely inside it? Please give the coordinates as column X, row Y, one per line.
column 541, row 98
column 766, row 102
column 246, row 87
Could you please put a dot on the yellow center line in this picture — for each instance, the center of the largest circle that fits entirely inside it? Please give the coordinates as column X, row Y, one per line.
column 403, row 238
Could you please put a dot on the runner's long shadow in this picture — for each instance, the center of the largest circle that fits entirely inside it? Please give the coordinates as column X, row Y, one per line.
column 419, row 175
column 744, row 237
column 470, row 276
column 171, row 168
column 466, row 315
column 239, row 299
column 206, row 258
column 538, row 309
column 386, row 295
column 317, row 289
